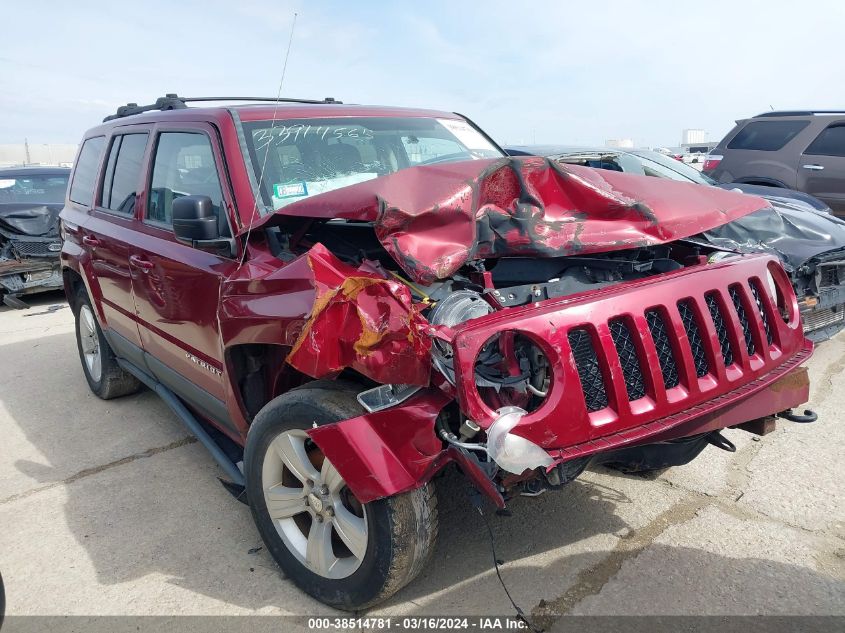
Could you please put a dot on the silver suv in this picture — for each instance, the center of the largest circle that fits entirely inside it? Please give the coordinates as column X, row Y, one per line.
column 803, row 150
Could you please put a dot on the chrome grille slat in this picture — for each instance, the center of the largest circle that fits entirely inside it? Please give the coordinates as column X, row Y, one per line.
column 817, row 319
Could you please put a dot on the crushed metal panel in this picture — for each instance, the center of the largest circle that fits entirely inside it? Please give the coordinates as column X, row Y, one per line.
column 361, row 321
column 792, row 231
column 434, row 219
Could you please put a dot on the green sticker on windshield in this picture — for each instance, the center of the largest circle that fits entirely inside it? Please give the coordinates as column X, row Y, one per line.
column 290, row 190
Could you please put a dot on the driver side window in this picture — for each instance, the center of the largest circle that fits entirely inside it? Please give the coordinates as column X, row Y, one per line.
column 183, row 166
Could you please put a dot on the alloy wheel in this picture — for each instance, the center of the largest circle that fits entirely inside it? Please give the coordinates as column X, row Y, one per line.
column 90, row 343
column 317, row 517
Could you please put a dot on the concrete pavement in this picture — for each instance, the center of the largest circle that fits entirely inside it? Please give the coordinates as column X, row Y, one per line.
column 112, row 508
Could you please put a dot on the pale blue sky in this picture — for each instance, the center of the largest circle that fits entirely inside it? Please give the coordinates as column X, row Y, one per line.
column 557, row 72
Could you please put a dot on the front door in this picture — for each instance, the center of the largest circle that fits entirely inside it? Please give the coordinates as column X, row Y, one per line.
column 176, row 286
column 821, row 168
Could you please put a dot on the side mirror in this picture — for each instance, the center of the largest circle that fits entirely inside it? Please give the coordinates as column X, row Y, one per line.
column 194, row 219
column 196, row 224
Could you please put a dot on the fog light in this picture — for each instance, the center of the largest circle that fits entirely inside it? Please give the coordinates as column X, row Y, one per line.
column 513, row 453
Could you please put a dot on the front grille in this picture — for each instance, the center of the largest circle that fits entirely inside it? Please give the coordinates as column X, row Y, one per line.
column 721, row 329
column 756, row 293
column 665, row 353
column 624, row 342
column 696, row 343
column 683, row 354
column 817, row 319
column 34, row 248
column 589, row 370
column 743, row 320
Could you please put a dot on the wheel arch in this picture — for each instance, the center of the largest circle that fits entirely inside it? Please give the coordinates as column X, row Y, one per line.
column 259, row 372
column 762, row 180
column 72, row 282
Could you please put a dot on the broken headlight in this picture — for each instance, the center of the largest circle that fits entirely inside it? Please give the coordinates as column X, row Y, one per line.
column 512, row 370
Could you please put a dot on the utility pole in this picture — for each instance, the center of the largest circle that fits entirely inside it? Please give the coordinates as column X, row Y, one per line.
column 27, row 159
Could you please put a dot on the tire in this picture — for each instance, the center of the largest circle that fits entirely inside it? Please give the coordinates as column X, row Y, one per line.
column 2, row 601
column 398, row 532
column 105, row 377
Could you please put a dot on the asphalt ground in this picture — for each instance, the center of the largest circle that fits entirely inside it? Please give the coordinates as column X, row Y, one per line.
column 111, row 508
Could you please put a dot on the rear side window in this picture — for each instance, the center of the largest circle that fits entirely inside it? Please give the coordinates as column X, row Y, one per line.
column 831, row 142
column 123, row 172
column 85, row 173
column 767, row 136
column 183, row 166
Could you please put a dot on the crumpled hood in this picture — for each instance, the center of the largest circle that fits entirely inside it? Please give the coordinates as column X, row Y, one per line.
column 30, row 219
column 434, row 219
column 790, row 229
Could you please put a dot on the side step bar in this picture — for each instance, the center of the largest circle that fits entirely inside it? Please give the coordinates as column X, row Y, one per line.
column 236, row 477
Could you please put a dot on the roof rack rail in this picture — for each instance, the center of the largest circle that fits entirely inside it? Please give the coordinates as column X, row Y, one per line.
column 797, row 113
column 172, row 101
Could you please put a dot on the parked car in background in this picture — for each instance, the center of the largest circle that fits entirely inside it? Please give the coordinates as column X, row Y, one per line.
column 798, row 228
column 803, row 150
column 30, row 201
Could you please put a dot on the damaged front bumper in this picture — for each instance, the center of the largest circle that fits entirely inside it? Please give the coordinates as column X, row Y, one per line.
column 700, row 349
column 24, row 277
column 823, row 309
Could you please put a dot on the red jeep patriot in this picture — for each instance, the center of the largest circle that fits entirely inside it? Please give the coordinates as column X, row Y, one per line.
column 339, row 301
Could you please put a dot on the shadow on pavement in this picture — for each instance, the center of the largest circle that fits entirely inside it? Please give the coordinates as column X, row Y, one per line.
column 48, row 299
column 166, row 515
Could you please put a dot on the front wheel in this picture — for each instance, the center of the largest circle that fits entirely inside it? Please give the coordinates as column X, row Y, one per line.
column 344, row 553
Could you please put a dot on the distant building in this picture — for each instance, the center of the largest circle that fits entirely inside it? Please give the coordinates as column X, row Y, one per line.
column 620, row 143
column 37, row 154
column 693, row 136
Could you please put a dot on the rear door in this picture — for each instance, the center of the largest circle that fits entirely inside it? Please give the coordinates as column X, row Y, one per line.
column 821, row 169
column 176, row 286
column 109, row 233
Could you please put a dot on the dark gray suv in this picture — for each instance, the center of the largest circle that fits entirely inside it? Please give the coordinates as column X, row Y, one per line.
column 803, row 150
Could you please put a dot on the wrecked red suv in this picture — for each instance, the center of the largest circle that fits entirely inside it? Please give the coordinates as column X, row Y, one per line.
column 340, row 301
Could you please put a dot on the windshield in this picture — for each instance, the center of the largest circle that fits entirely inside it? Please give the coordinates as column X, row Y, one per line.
column 305, row 157
column 657, row 164
column 34, row 189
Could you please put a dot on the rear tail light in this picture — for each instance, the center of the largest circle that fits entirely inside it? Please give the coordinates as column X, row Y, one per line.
column 711, row 162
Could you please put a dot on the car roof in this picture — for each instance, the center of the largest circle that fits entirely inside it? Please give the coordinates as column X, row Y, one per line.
column 269, row 111
column 36, row 170
column 798, row 113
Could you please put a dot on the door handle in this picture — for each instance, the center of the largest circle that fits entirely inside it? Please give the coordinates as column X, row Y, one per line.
column 813, row 167
column 90, row 240
column 139, row 262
